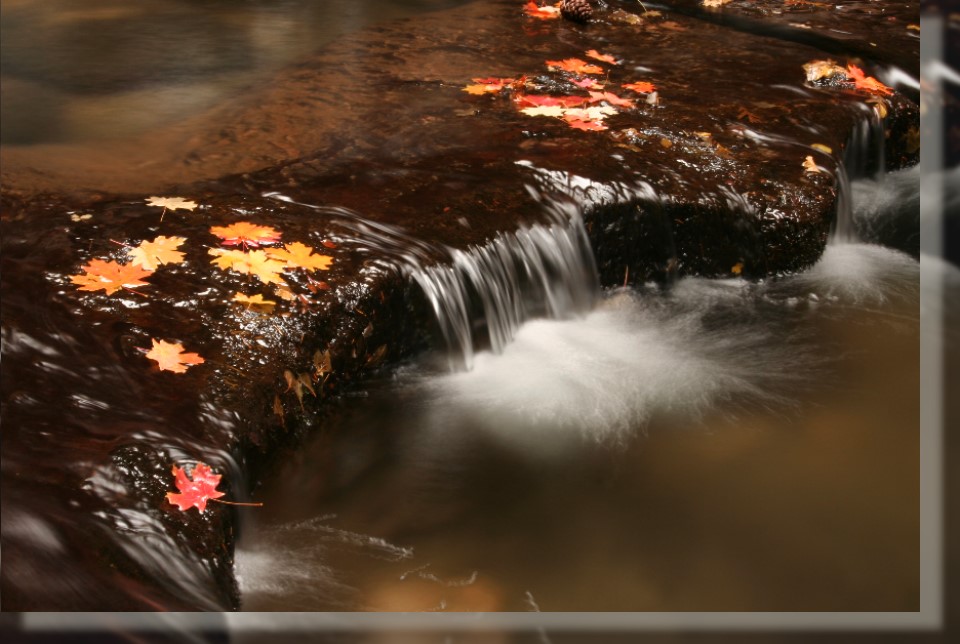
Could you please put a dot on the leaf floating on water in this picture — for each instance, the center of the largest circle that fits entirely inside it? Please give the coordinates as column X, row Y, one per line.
column 604, row 58
column 162, row 250
column 256, row 263
column 297, row 255
column 575, row 66
column 246, row 234
column 109, row 276
column 170, row 356
column 546, row 12
column 171, row 203
column 640, row 87
column 867, row 83
column 195, row 491
column 255, row 302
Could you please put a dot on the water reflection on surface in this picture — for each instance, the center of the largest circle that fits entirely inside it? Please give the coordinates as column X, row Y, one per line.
column 720, row 445
column 94, row 70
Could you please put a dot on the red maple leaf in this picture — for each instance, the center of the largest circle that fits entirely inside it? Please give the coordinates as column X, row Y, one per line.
column 196, row 492
column 868, row 83
column 542, row 100
column 613, row 99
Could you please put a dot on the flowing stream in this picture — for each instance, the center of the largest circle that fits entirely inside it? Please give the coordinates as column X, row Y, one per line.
column 705, row 445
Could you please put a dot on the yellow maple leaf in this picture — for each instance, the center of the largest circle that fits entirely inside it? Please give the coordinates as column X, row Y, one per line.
column 170, row 356
column 297, row 255
column 162, row 250
column 171, row 203
column 255, row 302
column 545, row 110
column 809, row 165
column 109, row 276
column 255, row 262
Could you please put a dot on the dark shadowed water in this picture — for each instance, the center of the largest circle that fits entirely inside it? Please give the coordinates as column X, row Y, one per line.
column 717, row 445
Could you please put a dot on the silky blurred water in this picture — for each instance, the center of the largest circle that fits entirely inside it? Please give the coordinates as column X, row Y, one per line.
column 712, row 445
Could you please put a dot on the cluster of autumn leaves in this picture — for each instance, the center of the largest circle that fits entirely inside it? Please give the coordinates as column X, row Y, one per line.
column 579, row 111
column 246, row 248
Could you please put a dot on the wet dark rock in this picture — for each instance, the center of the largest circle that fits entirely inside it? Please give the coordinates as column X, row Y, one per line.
column 383, row 156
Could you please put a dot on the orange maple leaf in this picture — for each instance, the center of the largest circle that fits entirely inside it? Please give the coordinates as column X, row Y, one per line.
column 574, row 66
column 246, row 234
column 488, row 85
column 170, row 356
column 109, row 276
column 613, row 99
column 867, row 83
column 297, row 255
column 162, row 250
column 255, row 302
column 604, row 58
column 580, row 123
column 641, row 87
column 255, row 262
column 548, row 12
column 194, row 492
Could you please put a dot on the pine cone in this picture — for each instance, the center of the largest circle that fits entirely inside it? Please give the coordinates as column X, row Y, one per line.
column 578, row 10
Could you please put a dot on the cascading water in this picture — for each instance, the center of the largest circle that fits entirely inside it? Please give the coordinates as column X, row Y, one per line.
column 863, row 157
column 535, row 271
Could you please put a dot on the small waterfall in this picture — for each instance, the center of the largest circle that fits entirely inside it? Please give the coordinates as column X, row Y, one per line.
column 537, row 271
column 863, row 157
column 480, row 296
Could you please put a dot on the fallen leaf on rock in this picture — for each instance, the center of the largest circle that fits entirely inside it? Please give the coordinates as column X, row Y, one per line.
column 613, row 99
column 109, row 276
column 640, row 87
column 714, row 3
column 593, row 113
column 867, row 83
column 162, row 250
column 297, row 255
column 604, row 58
column 546, row 12
column 255, row 262
column 587, row 83
column 171, row 203
column 546, row 110
column 820, row 147
column 296, row 383
column 542, row 100
column 255, row 302
column 488, row 85
column 574, row 66
column 583, row 124
column 78, row 218
column 823, row 70
column 737, row 268
column 170, row 356
column 809, row 165
column 246, row 234
column 195, row 491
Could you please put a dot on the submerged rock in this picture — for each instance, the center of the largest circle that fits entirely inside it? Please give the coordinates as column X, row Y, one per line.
column 372, row 154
